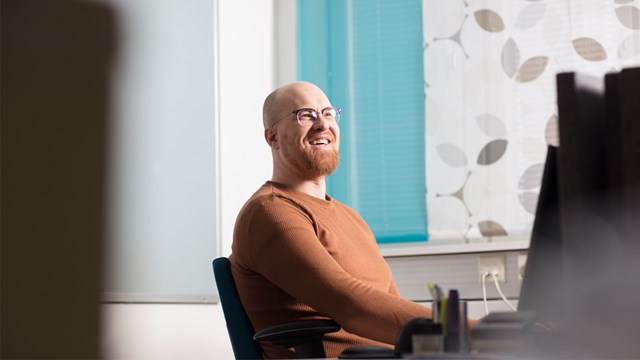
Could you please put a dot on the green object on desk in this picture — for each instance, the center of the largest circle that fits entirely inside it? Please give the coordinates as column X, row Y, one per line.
column 443, row 313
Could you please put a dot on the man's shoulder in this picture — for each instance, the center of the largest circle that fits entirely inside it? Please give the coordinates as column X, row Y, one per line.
column 268, row 197
column 268, row 192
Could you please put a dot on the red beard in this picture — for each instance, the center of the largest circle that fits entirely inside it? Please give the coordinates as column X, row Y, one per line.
column 322, row 162
column 312, row 164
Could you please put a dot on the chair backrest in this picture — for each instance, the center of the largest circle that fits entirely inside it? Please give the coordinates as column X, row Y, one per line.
column 238, row 325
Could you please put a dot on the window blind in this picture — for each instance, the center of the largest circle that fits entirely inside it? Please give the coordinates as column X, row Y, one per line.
column 367, row 56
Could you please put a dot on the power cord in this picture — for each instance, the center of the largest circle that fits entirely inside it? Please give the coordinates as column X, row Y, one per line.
column 484, row 293
column 494, row 276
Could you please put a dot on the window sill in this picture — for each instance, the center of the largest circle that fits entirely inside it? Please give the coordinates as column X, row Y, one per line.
column 439, row 247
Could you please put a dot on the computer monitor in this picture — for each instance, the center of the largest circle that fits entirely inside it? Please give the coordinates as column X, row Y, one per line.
column 542, row 290
column 574, row 176
column 583, row 264
column 584, row 164
column 623, row 108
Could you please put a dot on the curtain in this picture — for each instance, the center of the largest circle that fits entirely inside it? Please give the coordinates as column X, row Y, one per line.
column 490, row 109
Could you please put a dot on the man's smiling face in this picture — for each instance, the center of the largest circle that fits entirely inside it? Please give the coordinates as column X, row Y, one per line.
column 311, row 150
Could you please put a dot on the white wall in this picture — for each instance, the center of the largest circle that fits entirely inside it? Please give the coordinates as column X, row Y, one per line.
column 248, row 71
column 246, row 77
column 257, row 54
column 164, row 331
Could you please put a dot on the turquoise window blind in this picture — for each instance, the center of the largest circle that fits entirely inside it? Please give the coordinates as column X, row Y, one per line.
column 367, row 56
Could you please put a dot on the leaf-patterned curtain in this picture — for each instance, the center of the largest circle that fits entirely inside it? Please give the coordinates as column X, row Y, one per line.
column 491, row 108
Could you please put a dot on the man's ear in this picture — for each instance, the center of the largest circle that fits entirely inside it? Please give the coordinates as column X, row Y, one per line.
column 271, row 138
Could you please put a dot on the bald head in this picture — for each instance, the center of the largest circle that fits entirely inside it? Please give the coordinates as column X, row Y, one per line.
column 289, row 97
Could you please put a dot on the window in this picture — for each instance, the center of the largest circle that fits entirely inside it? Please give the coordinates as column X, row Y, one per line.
column 163, row 185
column 449, row 105
column 367, row 56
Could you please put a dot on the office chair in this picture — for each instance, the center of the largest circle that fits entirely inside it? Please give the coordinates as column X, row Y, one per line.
column 305, row 335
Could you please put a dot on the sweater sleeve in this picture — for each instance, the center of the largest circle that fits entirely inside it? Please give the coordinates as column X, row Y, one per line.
column 286, row 250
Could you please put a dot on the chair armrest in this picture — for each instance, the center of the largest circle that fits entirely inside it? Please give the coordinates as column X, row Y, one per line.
column 294, row 333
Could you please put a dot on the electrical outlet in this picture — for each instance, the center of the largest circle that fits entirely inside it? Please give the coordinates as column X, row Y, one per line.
column 490, row 263
column 522, row 263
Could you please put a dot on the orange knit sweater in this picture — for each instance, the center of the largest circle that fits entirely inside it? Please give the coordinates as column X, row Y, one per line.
column 295, row 256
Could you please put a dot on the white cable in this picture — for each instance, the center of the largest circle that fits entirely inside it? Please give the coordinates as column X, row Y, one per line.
column 494, row 275
column 484, row 293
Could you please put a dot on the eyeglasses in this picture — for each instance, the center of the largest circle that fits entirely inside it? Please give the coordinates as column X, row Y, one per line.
column 306, row 117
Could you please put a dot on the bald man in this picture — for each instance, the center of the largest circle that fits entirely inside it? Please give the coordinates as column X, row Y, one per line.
column 297, row 253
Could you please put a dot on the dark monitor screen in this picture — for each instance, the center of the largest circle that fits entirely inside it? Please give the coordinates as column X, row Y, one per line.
column 542, row 290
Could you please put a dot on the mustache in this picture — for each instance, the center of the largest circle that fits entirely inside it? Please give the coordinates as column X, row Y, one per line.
column 325, row 134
